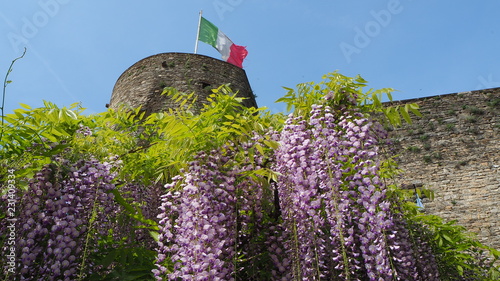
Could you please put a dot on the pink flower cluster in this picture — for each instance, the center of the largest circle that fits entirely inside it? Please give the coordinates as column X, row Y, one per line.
column 198, row 223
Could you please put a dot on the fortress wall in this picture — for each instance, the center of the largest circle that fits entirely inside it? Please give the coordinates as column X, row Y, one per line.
column 143, row 82
column 454, row 150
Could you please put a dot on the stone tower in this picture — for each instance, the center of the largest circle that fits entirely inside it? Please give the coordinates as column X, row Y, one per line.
column 143, row 82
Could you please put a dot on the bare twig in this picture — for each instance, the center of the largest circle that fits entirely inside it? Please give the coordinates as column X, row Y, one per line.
column 5, row 83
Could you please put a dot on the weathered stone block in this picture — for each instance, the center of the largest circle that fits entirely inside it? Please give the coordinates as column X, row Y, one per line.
column 143, row 82
column 464, row 148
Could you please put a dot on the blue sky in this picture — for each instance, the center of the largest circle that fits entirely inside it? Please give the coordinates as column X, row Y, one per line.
column 78, row 49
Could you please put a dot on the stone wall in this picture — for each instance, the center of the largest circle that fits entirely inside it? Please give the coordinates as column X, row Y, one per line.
column 454, row 150
column 143, row 82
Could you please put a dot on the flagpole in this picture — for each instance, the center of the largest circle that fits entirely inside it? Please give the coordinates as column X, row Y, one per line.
column 198, row 33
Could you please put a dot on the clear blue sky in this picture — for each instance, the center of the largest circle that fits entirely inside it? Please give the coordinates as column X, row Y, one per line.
column 78, row 49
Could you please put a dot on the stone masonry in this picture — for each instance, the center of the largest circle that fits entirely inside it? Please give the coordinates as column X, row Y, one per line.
column 454, row 150
column 143, row 82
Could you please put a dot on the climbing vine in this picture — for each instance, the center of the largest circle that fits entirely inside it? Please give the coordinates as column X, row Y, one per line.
column 231, row 193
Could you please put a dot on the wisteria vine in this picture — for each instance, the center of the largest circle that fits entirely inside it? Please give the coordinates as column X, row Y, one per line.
column 306, row 202
column 57, row 217
column 335, row 218
column 334, row 208
column 211, row 216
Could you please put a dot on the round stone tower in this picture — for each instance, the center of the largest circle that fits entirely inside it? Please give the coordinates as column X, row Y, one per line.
column 143, row 82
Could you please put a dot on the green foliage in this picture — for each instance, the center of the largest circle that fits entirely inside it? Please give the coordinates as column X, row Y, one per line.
column 337, row 89
column 460, row 254
column 162, row 144
column 32, row 136
column 122, row 261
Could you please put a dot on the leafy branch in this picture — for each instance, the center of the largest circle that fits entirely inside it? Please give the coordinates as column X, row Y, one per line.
column 338, row 90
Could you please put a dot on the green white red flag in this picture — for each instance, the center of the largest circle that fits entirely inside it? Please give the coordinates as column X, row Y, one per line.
column 210, row 34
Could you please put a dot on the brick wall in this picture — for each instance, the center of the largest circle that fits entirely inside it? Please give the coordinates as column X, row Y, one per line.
column 454, row 150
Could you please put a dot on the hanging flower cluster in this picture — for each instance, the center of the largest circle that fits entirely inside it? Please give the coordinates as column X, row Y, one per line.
column 333, row 202
column 411, row 255
column 335, row 212
column 211, row 216
column 57, row 215
column 333, row 221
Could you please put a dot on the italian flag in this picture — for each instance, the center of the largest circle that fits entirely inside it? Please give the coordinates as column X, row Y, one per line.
column 232, row 53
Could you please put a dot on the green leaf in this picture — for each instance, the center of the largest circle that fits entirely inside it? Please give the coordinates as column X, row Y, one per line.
column 155, row 235
column 392, row 115
column 108, row 259
column 271, row 144
column 260, row 149
column 414, row 108
column 71, row 114
column 404, row 113
column 50, row 137
column 25, row 106
column 120, row 200
column 131, row 211
column 440, row 242
column 236, row 126
column 59, row 132
column 376, row 100
column 447, row 238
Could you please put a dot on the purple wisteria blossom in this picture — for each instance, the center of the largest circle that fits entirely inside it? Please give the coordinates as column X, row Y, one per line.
column 335, row 211
column 204, row 220
column 57, row 214
column 412, row 261
column 330, row 217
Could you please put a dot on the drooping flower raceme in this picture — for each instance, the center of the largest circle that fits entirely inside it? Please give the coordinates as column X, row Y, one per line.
column 211, row 218
column 57, row 215
column 202, row 244
column 412, row 256
column 333, row 203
